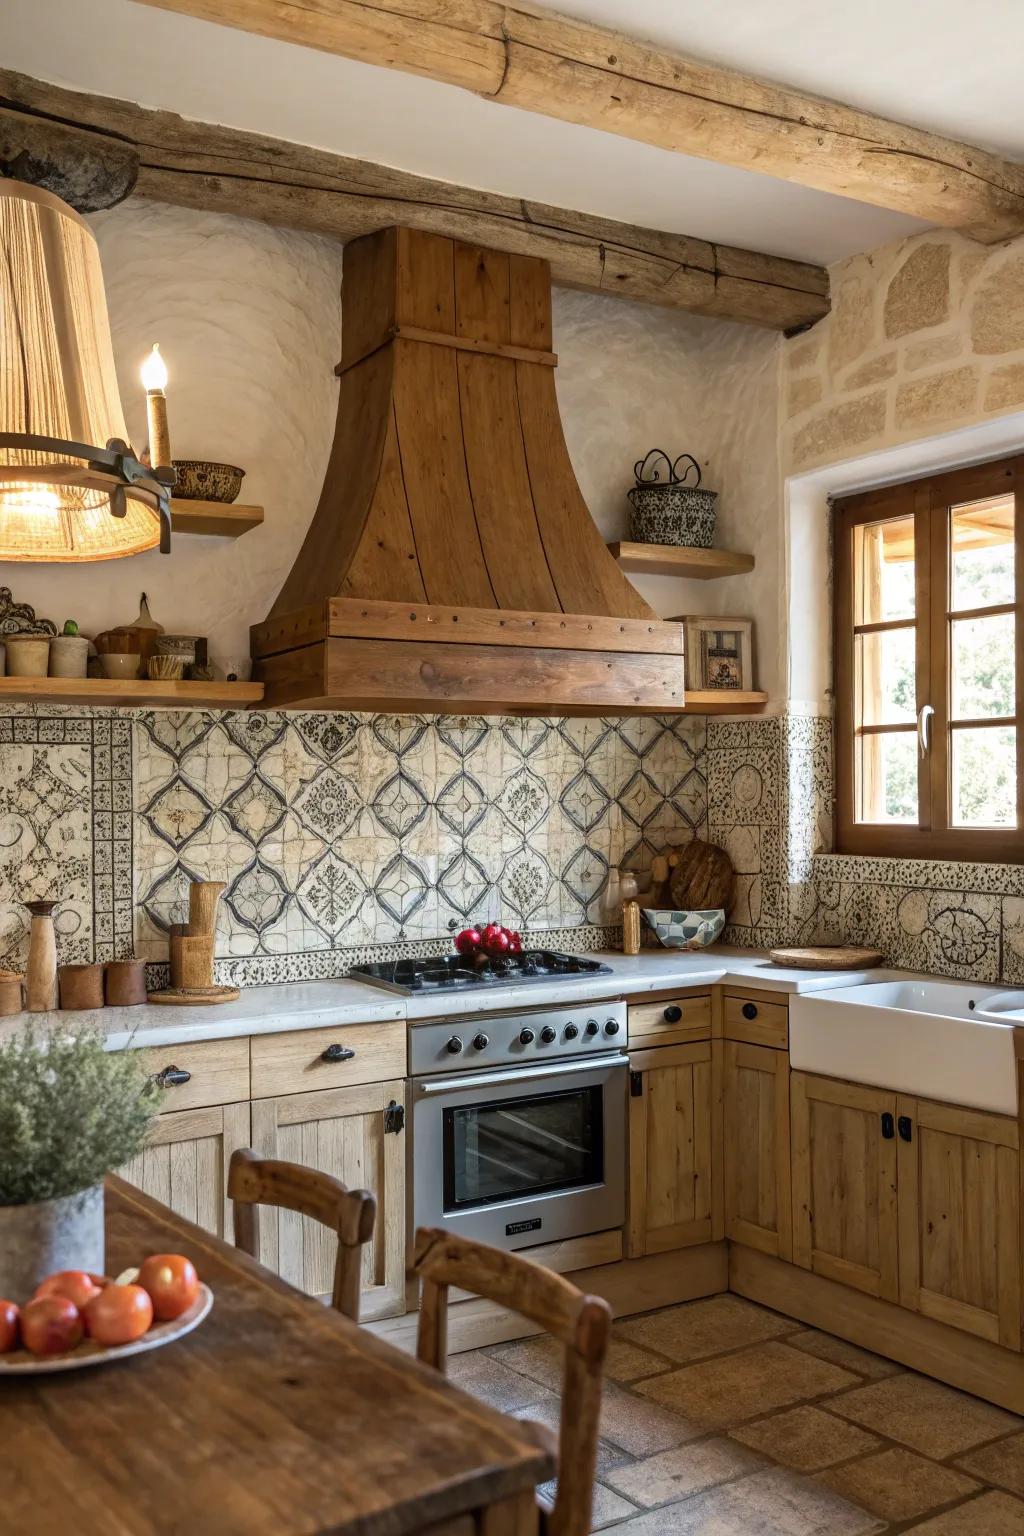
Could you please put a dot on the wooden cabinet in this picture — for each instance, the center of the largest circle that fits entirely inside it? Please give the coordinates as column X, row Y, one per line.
column 844, row 1183
column 358, row 1135
column 670, row 1138
column 200, row 1073
column 185, row 1163
column 670, row 1020
column 758, row 1018
column 756, row 1150
column 959, row 1218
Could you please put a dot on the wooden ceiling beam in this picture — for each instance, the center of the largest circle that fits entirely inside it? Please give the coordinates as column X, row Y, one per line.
column 585, row 74
column 201, row 165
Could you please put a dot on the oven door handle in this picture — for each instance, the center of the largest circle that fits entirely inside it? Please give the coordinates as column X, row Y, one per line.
column 427, row 1086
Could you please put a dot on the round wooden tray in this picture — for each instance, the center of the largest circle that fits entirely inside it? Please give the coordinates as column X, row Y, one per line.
column 21, row 1363
column 184, row 997
column 829, row 957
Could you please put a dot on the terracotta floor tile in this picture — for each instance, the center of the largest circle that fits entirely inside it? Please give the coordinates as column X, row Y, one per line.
column 994, row 1514
column 1002, row 1463
column 806, row 1439
column 702, row 1328
column 827, row 1347
column 493, row 1382
column 642, row 1427
column 898, row 1485
column 673, row 1475
column 719, row 1393
column 938, row 1421
column 772, row 1503
column 543, row 1360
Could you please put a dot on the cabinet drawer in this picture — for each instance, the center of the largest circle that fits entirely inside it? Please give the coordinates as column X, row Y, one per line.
column 670, row 1021
column 218, row 1073
column 302, row 1059
column 756, row 1022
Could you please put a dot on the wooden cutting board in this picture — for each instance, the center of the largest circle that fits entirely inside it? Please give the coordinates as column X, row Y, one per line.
column 829, row 957
column 703, row 878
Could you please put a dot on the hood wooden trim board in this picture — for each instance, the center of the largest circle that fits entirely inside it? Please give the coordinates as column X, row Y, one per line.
column 452, row 564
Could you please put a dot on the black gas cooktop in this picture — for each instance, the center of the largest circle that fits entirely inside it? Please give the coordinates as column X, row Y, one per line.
column 442, row 973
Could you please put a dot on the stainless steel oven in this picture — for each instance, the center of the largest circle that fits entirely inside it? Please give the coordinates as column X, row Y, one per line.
column 529, row 1149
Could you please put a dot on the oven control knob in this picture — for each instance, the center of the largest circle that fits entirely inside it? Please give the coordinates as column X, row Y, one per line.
column 612, row 1027
column 592, row 1027
column 454, row 1046
column 526, row 1037
column 480, row 1042
column 548, row 1034
column 571, row 1031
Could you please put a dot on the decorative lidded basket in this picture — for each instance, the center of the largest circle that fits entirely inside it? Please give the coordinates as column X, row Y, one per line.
column 665, row 510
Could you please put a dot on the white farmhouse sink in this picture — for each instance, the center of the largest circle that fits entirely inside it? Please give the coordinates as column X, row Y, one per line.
column 946, row 1040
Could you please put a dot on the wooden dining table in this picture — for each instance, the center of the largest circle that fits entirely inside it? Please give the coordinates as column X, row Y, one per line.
column 275, row 1417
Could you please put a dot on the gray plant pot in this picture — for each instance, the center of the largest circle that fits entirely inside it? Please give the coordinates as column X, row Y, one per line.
column 36, row 1240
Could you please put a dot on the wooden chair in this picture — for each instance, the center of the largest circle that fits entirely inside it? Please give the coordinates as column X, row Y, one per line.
column 582, row 1323
column 254, row 1181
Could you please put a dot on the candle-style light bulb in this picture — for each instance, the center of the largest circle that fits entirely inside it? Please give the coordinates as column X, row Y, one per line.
column 154, row 379
column 154, row 370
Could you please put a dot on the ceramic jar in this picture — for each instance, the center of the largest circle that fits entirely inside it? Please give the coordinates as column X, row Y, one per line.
column 69, row 656
column 28, row 655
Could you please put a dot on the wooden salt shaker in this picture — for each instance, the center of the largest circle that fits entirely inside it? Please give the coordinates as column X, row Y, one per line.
column 41, row 970
column 630, row 890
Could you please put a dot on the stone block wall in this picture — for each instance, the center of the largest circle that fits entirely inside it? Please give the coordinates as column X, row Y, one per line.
column 925, row 335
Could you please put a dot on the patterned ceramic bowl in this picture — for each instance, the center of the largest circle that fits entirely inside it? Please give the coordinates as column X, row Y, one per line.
column 200, row 480
column 686, row 930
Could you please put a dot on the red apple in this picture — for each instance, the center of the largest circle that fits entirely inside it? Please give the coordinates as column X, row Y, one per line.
column 51, row 1325
column 469, row 941
column 8, row 1326
column 499, row 943
column 490, row 933
column 515, row 944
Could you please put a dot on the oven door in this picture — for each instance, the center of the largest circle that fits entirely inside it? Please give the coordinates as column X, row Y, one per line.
column 524, row 1155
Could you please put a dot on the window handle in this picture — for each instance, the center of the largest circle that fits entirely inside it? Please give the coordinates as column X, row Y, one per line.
column 924, row 717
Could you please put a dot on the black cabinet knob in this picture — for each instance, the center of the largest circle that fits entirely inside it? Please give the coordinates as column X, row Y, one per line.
column 526, row 1037
column 454, row 1046
column 612, row 1027
column 480, row 1042
column 888, row 1127
column 172, row 1077
column 905, row 1127
column 548, row 1034
column 749, row 1010
column 592, row 1027
column 673, row 1013
column 337, row 1053
column 571, row 1031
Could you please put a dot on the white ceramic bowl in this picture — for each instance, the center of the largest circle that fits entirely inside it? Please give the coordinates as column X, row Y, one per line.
column 686, row 930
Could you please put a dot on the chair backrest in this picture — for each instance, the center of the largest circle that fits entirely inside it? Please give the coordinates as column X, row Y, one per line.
column 581, row 1323
column 254, row 1181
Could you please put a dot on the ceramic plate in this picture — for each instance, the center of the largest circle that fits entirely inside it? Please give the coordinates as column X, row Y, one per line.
column 21, row 1363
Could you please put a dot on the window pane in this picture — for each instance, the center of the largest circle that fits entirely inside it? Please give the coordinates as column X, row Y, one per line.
column 981, row 537
column 985, row 777
column 886, row 677
column 887, row 777
column 982, row 659
column 883, row 571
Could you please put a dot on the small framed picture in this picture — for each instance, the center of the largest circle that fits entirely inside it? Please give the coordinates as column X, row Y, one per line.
column 719, row 653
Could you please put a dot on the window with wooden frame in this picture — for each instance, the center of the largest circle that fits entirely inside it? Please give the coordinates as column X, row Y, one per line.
column 929, row 667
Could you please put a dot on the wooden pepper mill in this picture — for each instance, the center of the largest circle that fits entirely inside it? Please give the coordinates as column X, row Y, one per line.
column 629, row 889
column 41, row 970
column 191, row 951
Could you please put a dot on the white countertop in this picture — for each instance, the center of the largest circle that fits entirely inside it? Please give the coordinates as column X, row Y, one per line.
column 326, row 1004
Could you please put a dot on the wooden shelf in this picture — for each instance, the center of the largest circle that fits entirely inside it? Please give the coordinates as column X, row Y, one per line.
column 141, row 691
column 725, row 701
column 675, row 560
column 227, row 519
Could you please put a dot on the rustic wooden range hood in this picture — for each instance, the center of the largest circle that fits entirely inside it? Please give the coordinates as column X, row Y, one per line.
column 452, row 565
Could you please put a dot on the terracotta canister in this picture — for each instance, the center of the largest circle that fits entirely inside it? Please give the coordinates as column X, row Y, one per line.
column 27, row 655
column 10, row 993
column 125, row 983
column 81, row 986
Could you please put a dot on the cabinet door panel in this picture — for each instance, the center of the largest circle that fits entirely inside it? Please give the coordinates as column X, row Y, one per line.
column 960, row 1219
column 844, row 1184
column 185, row 1163
column 670, row 1149
column 758, row 1207
column 342, row 1132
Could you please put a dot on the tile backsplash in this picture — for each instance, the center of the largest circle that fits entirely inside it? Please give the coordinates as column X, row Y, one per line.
column 345, row 837
column 335, row 833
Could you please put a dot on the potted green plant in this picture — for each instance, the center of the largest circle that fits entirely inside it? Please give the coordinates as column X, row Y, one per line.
column 70, row 1112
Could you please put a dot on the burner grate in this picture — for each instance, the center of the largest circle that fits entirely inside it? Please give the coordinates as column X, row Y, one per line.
column 443, row 972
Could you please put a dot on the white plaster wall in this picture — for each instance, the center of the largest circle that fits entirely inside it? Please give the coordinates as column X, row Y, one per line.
column 249, row 321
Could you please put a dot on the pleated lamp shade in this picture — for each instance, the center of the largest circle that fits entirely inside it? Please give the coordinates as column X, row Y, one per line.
column 57, row 380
